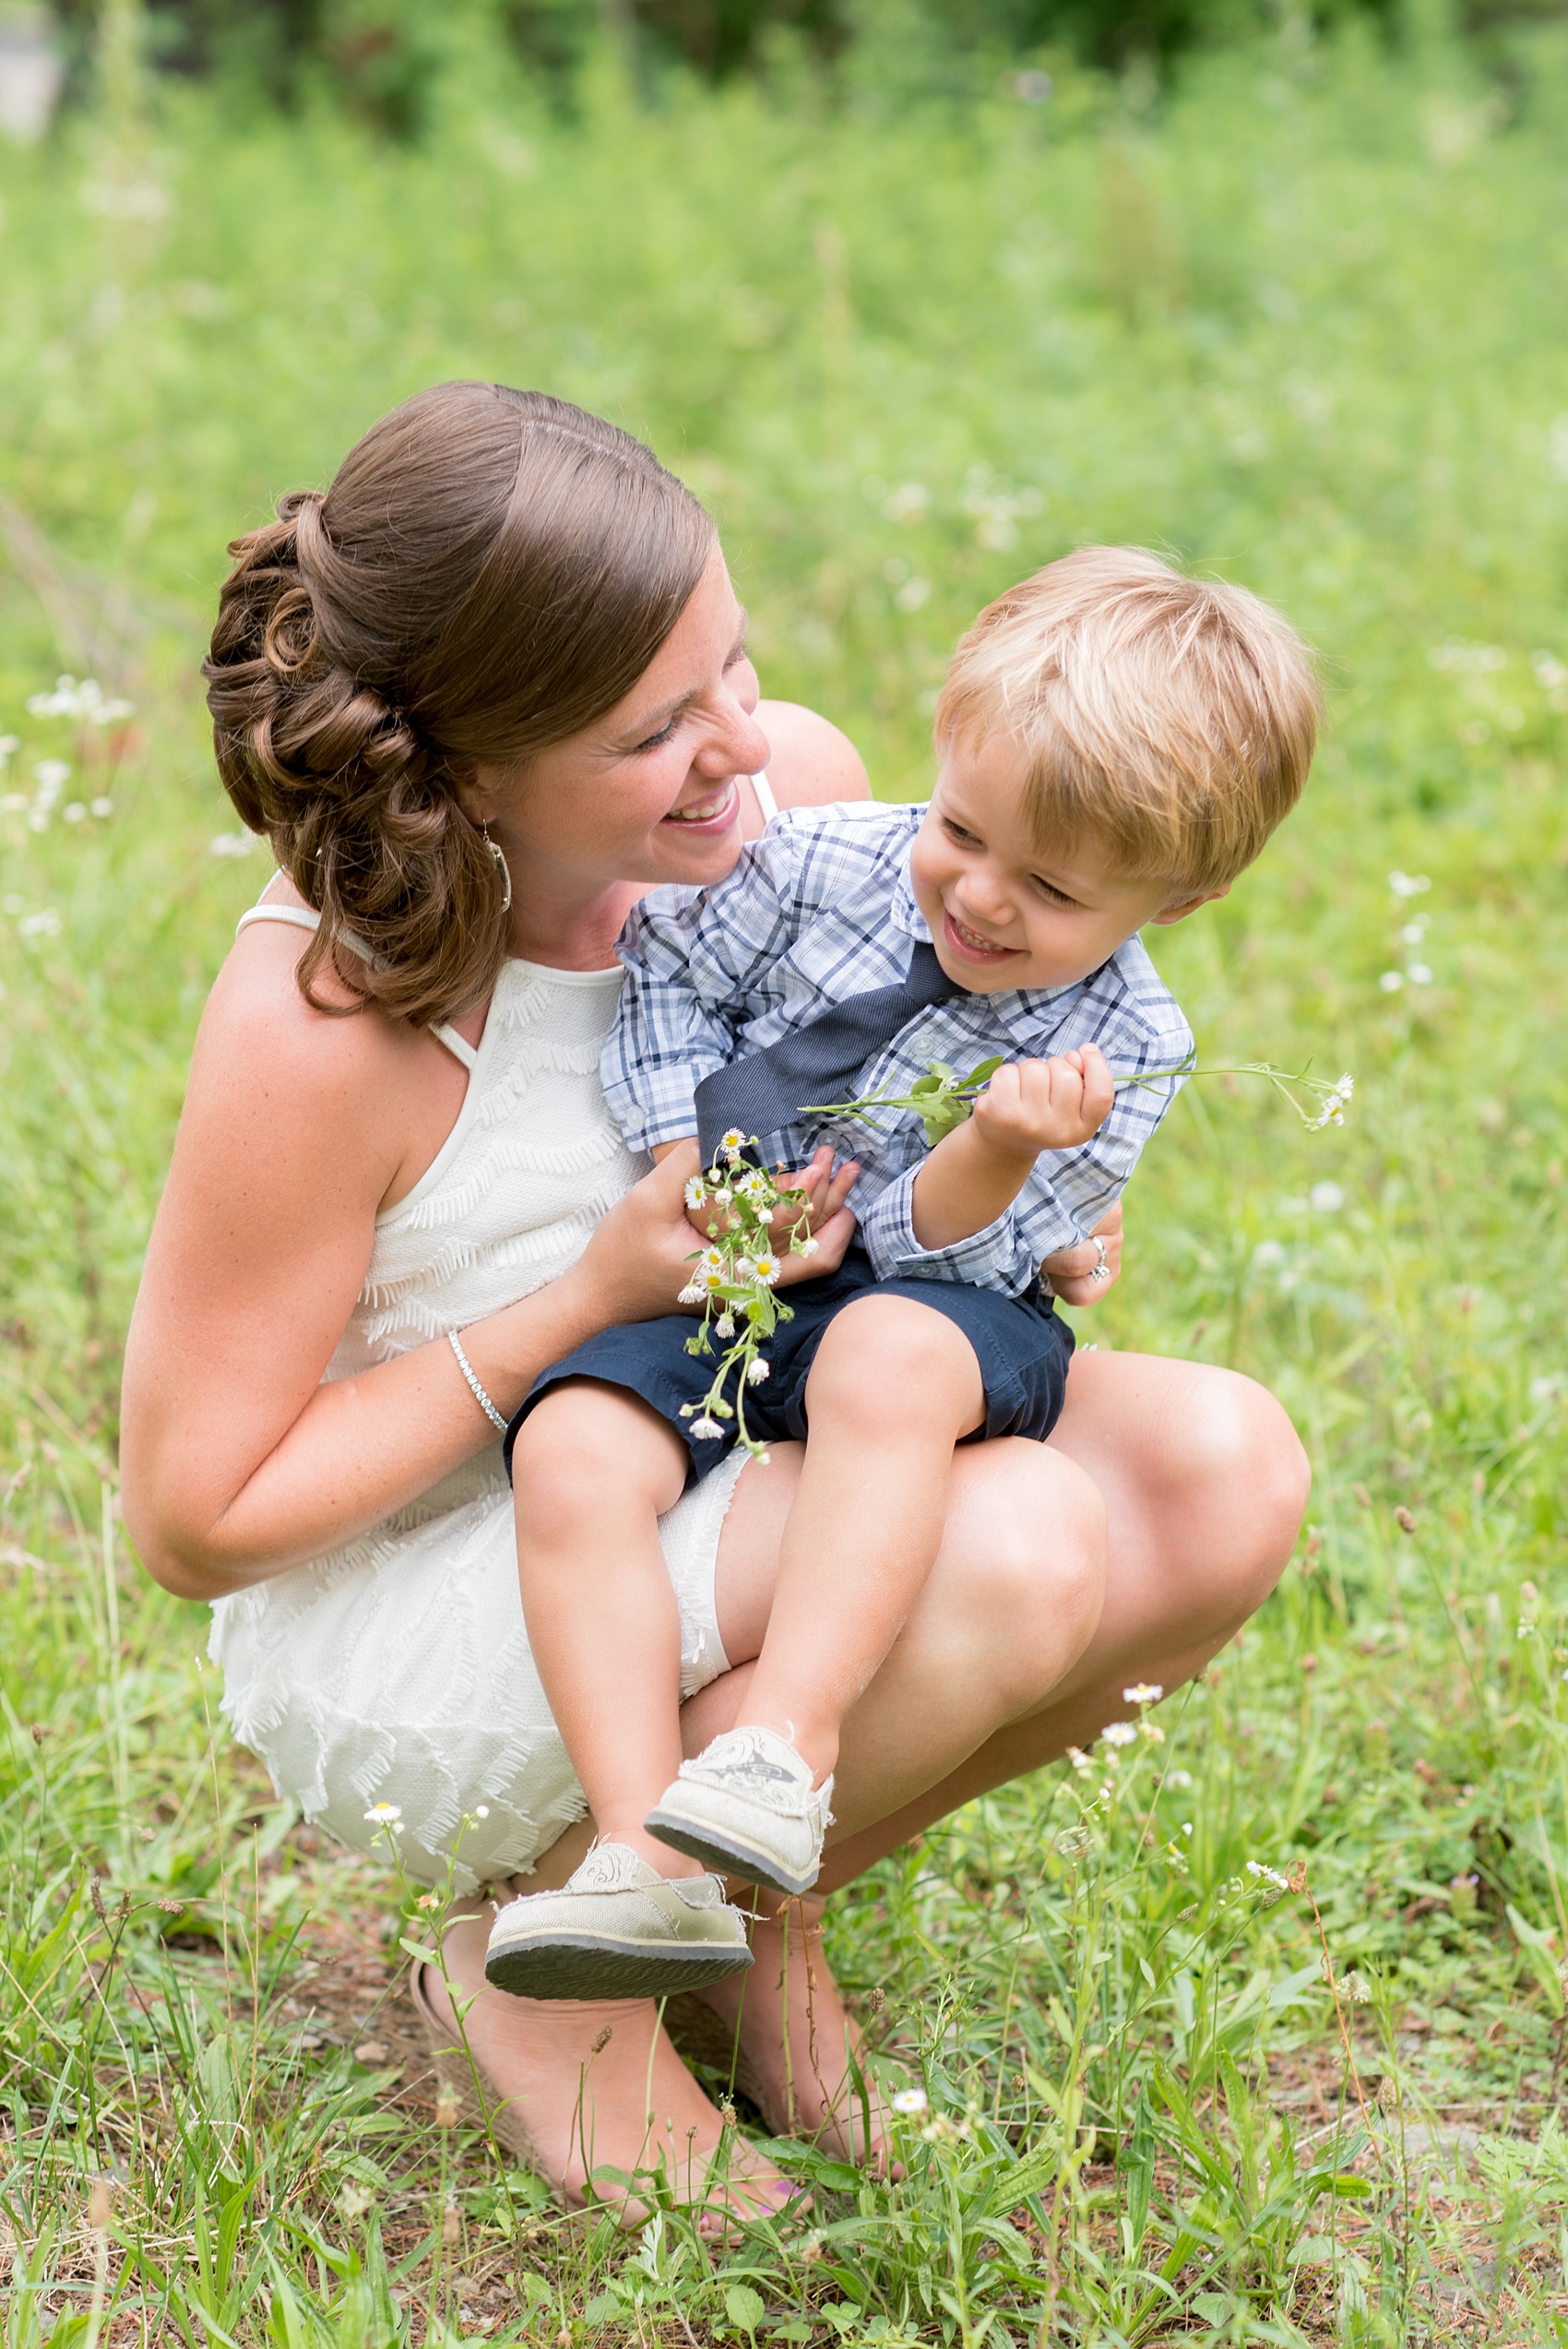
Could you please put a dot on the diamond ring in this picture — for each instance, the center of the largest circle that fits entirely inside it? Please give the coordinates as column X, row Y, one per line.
column 1103, row 1269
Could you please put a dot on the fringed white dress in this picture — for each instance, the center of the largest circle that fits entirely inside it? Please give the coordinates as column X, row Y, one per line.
column 397, row 1669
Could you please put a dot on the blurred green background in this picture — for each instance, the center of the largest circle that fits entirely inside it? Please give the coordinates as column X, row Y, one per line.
column 917, row 296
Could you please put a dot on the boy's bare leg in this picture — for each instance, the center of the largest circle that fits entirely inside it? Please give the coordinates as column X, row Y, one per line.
column 892, row 1389
column 592, row 1469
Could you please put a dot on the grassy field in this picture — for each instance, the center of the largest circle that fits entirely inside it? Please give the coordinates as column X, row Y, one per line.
column 1301, row 326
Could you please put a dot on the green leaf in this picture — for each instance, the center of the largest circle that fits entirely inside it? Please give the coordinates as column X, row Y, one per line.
column 745, row 2308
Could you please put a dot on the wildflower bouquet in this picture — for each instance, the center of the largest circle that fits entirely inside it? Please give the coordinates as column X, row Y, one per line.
column 752, row 1216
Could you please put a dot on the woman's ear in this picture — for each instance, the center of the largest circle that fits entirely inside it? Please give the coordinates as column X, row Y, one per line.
column 1169, row 914
column 478, row 793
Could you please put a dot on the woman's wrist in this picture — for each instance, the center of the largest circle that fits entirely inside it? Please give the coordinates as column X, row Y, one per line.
column 507, row 1351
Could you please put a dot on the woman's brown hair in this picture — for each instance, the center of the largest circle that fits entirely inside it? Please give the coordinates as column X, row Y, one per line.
column 490, row 571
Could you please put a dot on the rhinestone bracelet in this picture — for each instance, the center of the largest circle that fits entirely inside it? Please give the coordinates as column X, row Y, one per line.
column 466, row 1366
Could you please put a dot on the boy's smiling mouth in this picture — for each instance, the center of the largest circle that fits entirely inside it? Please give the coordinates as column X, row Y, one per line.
column 969, row 945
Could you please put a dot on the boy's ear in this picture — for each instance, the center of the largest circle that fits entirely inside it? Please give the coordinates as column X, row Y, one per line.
column 1189, row 905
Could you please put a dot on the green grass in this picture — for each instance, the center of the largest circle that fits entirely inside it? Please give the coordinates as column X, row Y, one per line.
column 1303, row 329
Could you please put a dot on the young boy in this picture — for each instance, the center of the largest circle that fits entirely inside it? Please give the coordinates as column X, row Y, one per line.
column 1117, row 744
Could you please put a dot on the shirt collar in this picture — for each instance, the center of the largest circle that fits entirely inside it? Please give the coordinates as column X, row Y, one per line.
column 904, row 913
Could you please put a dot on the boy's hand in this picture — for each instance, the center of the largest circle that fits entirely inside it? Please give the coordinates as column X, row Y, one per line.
column 976, row 1172
column 1033, row 1105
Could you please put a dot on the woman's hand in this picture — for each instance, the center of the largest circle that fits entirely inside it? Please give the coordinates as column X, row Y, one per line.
column 1070, row 1272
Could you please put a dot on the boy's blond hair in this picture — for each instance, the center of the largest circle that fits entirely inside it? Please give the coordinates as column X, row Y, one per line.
column 1170, row 721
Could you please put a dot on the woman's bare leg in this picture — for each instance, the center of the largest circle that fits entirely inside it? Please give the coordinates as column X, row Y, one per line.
column 1205, row 1482
column 1008, row 1606
column 786, row 2024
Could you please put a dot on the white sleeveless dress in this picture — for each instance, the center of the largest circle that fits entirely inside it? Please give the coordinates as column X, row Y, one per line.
column 397, row 1669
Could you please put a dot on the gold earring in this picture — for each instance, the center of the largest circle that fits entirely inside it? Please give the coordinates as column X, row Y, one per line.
column 505, row 868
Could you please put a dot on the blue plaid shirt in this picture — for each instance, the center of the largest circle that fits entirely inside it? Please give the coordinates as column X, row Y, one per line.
column 821, row 909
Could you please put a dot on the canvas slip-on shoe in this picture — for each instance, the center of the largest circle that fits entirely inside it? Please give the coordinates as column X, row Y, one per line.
column 747, row 1806
column 617, row 1929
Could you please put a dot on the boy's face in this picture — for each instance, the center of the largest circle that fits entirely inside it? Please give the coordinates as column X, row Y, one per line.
column 1004, row 911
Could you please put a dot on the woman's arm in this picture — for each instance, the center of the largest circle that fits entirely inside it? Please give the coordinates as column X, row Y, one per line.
column 237, row 1463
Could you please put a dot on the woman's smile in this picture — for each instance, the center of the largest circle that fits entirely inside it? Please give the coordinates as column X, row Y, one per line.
column 715, row 812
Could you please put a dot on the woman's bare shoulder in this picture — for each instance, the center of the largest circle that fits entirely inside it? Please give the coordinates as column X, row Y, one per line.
column 340, row 1085
column 813, row 762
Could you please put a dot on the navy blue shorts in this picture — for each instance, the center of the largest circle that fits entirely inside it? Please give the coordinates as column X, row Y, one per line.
column 1022, row 1346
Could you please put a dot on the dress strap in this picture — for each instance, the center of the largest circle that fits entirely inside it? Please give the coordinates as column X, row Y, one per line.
column 301, row 917
column 765, row 799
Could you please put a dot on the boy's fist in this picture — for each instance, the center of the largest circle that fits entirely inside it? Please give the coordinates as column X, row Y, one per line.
column 1032, row 1106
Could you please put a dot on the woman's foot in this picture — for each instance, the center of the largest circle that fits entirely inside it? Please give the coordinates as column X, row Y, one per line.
column 599, row 2094
column 793, row 2038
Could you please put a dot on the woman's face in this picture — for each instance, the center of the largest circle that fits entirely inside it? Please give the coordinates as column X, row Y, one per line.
column 647, row 792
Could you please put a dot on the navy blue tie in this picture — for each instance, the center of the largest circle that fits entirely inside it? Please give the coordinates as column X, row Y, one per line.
column 763, row 1094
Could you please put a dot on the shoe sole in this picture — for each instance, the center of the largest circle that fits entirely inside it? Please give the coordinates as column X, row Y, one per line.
column 590, row 1966
column 727, row 1859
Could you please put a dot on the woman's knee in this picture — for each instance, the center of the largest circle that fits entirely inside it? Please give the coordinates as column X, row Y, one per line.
column 1026, row 1546
column 1244, row 1464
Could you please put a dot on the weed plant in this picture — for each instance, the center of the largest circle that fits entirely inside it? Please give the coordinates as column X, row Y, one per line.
column 1252, row 2027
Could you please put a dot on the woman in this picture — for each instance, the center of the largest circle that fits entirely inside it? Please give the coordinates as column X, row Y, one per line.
column 479, row 698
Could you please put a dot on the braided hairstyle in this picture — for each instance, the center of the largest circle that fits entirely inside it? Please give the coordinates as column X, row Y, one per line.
column 490, row 571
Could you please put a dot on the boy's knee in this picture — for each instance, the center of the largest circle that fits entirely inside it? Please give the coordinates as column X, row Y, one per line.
column 575, row 1435
column 886, row 1355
